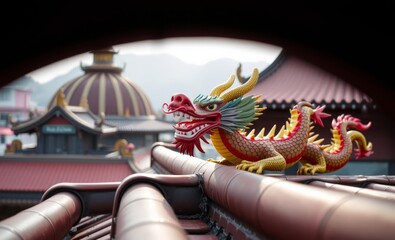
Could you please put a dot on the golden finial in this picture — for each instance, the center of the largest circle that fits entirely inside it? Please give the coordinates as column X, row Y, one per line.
column 60, row 101
column 127, row 112
column 84, row 103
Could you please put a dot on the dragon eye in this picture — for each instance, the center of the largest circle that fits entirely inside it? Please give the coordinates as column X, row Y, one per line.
column 211, row 107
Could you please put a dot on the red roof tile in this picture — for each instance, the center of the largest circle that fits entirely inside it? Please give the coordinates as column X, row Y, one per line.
column 294, row 80
column 39, row 176
column 230, row 213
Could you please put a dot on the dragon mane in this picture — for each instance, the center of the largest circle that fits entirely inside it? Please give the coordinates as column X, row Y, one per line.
column 236, row 114
column 239, row 113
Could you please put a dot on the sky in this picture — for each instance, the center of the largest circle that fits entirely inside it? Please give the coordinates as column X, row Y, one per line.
column 196, row 50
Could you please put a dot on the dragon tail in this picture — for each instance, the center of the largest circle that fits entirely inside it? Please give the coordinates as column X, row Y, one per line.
column 339, row 152
column 363, row 149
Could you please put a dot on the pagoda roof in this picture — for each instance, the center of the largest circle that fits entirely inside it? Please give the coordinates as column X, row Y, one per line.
column 289, row 80
column 140, row 124
column 76, row 115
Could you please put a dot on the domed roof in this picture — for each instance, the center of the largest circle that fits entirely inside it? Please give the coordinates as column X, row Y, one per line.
column 103, row 89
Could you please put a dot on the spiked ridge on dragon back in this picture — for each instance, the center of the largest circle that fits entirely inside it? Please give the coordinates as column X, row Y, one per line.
column 226, row 114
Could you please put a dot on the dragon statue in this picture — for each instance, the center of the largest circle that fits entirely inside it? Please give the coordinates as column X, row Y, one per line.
column 226, row 114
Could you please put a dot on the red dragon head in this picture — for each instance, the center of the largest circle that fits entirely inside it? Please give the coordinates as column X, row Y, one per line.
column 221, row 109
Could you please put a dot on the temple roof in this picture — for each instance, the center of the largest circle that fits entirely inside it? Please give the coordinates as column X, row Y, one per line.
column 102, row 88
column 140, row 124
column 76, row 115
column 37, row 173
column 38, row 176
column 289, row 80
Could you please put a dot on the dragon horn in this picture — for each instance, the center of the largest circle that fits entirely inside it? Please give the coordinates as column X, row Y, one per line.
column 241, row 90
column 222, row 87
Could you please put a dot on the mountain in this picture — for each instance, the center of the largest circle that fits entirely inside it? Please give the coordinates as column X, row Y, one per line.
column 42, row 93
column 25, row 83
column 160, row 76
column 51, row 87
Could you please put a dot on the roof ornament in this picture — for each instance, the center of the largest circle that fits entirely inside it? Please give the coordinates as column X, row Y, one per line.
column 84, row 103
column 127, row 112
column 238, row 73
column 60, row 100
column 100, row 121
column 15, row 146
column 11, row 120
column 124, row 148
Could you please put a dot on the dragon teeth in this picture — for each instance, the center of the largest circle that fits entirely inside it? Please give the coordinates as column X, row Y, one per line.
column 190, row 133
column 180, row 116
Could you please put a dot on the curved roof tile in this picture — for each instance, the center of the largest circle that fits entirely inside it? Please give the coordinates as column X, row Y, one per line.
column 291, row 80
column 40, row 175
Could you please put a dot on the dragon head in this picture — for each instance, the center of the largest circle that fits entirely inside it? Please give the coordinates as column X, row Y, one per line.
column 228, row 110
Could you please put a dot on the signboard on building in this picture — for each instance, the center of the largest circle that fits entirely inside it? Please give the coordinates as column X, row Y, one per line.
column 58, row 129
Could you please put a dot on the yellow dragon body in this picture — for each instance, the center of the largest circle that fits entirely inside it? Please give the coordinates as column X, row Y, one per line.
column 226, row 114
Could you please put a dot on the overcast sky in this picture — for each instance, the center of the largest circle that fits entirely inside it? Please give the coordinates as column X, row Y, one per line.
column 198, row 50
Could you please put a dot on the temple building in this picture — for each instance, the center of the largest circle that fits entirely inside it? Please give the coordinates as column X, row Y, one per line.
column 98, row 127
column 67, row 130
column 91, row 113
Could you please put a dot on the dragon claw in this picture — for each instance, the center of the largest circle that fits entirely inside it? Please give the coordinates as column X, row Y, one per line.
column 310, row 169
column 221, row 161
column 213, row 160
column 250, row 166
column 260, row 166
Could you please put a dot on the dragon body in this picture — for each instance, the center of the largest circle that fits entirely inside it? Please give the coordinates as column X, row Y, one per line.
column 332, row 157
column 226, row 115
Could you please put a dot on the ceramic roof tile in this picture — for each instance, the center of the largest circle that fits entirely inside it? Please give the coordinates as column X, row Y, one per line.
column 375, row 193
column 40, row 175
column 293, row 80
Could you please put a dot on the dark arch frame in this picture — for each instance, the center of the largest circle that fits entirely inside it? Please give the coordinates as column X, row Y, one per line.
column 353, row 42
